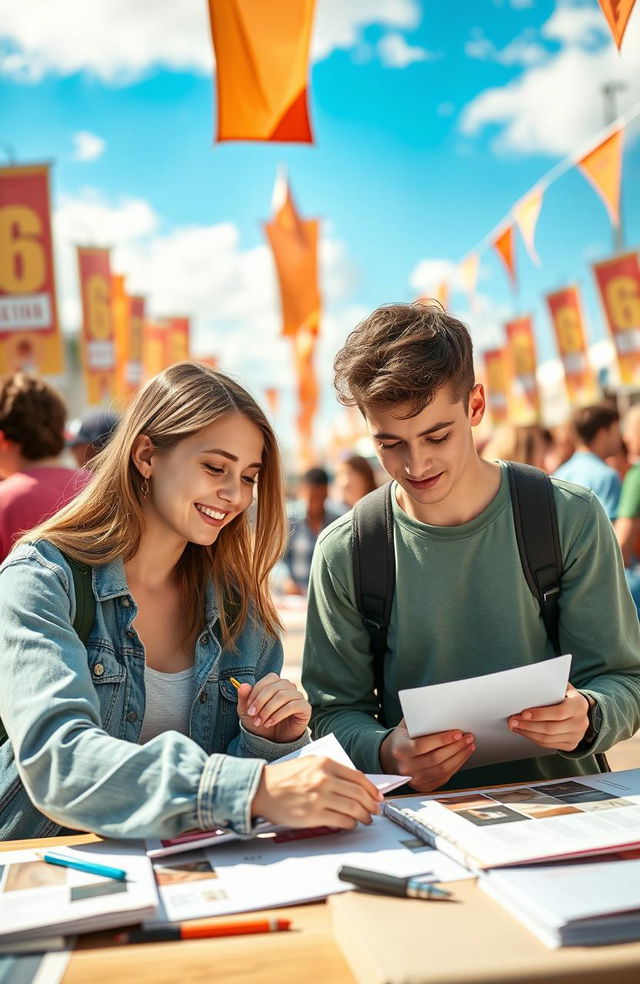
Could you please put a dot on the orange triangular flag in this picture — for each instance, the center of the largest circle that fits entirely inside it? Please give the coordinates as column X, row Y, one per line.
column 526, row 214
column 294, row 243
column 503, row 244
column 262, row 55
column 468, row 270
column 617, row 13
column 603, row 167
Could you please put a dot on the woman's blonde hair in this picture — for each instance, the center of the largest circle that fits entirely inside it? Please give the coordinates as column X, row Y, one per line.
column 105, row 521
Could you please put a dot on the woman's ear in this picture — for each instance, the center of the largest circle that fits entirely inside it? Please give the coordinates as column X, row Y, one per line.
column 142, row 453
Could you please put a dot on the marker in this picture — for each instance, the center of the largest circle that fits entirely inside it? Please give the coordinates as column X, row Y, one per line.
column 65, row 861
column 162, row 934
column 235, row 682
column 414, row 887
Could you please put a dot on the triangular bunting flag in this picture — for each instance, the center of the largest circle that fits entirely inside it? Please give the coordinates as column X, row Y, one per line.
column 503, row 244
column 262, row 56
column 468, row 270
column 526, row 214
column 617, row 13
column 603, row 167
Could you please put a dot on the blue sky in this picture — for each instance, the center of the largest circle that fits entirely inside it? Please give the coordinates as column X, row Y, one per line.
column 430, row 123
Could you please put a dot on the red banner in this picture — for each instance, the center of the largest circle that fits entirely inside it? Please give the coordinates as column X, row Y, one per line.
column 133, row 365
column 496, row 369
column 29, row 335
column 618, row 281
column 98, row 345
column 525, row 396
column 568, row 324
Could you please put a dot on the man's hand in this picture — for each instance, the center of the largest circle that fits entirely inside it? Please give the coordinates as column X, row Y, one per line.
column 430, row 760
column 561, row 726
column 273, row 708
column 315, row 792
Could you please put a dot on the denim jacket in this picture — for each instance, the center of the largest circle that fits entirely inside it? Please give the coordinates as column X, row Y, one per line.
column 74, row 715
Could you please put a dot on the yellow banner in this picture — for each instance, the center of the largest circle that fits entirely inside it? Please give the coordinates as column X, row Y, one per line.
column 262, row 58
column 303, row 352
column 29, row 333
column 618, row 281
column 294, row 244
column 98, row 346
column 497, row 373
column 602, row 167
column 568, row 325
column 178, row 335
column 154, row 349
column 525, row 397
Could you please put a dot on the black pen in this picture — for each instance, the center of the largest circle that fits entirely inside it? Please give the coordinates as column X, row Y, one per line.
column 413, row 887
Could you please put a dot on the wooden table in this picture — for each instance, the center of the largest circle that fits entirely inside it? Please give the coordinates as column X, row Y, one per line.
column 496, row 948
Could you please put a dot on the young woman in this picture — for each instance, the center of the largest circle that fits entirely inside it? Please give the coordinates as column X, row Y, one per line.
column 142, row 732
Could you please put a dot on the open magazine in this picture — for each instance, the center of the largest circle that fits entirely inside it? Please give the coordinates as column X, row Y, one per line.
column 542, row 821
column 328, row 747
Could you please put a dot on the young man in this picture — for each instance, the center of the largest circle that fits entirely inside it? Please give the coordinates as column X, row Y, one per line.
column 461, row 607
column 598, row 437
column 308, row 515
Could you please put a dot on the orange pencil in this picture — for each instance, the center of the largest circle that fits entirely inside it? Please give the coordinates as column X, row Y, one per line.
column 162, row 934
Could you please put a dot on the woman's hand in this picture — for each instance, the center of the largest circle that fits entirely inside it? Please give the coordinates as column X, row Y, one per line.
column 273, row 708
column 313, row 791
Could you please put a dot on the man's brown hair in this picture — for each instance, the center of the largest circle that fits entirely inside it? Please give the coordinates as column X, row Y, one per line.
column 404, row 353
column 32, row 415
column 588, row 421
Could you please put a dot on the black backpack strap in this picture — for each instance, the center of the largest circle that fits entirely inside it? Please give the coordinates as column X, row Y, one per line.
column 85, row 614
column 536, row 525
column 374, row 573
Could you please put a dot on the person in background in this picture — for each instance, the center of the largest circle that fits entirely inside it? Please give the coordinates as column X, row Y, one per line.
column 627, row 524
column 560, row 447
column 516, row 443
column 90, row 434
column 307, row 515
column 169, row 716
column 597, row 436
column 354, row 478
column 36, row 484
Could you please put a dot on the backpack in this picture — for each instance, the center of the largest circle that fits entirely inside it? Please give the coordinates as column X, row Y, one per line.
column 85, row 608
column 536, row 527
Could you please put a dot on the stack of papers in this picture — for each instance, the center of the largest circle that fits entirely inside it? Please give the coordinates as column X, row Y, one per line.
column 38, row 899
column 580, row 904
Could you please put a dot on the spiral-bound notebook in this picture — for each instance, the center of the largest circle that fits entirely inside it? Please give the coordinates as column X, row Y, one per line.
column 543, row 821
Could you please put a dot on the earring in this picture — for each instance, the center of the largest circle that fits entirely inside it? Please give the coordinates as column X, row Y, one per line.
column 145, row 488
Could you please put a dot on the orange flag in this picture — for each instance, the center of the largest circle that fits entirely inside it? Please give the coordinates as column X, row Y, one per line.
column 617, row 13
column 98, row 346
column 602, row 167
column 154, row 348
column 178, row 335
column 504, row 246
column 526, row 214
column 121, row 314
column 272, row 394
column 440, row 293
column 568, row 323
column 618, row 281
column 304, row 345
column 525, row 396
column 294, row 243
column 262, row 56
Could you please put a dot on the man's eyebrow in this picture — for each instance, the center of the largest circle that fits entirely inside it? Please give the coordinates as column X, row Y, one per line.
column 231, row 457
column 381, row 436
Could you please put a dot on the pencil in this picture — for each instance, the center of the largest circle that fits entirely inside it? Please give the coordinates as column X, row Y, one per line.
column 162, row 934
column 235, row 682
column 66, row 861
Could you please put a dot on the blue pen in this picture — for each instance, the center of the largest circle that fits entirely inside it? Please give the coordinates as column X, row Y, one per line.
column 65, row 861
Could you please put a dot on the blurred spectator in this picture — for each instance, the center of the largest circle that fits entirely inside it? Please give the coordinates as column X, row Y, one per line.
column 627, row 525
column 597, row 436
column 511, row 443
column 354, row 478
column 560, row 446
column 307, row 516
column 90, row 435
column 32, row 417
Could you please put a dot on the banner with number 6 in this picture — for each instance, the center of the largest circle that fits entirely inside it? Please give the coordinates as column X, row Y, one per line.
column 98, row 343
column 29, row 333
column 618, row 281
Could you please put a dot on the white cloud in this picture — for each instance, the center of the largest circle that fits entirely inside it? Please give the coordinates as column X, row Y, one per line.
column 88, row 146
column 523, row 50
column 396, row 52
column 557, row 105
column 427, row 275
column 120, row 41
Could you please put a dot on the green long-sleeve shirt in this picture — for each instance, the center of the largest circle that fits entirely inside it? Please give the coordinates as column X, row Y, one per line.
column 462, row 608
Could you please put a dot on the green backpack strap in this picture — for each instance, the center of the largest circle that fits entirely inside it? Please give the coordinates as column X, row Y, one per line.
column 85, row 608
column 85, row 614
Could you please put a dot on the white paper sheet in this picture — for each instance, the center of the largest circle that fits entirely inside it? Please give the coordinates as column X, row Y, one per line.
column 482, row 705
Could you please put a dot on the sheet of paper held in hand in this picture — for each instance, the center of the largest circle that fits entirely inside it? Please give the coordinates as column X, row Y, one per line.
column 482, row 706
